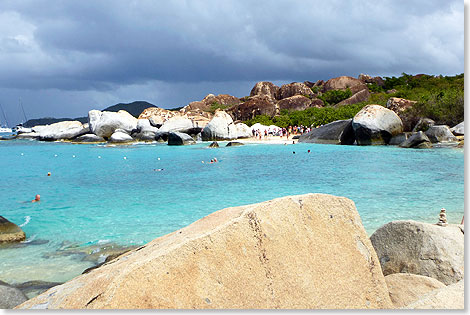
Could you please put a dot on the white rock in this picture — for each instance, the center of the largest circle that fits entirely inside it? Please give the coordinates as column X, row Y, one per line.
column 177, row 124
column 61, row 130
column 459, row 129
column 120, row 136
column 104, row 124
column 221, row 127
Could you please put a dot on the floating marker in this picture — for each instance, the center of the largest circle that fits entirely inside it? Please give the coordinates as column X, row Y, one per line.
column 159, row 159
column 22, row 153
column 125, row 158
column 73, row 155
column 99, row 156
column 55, row 154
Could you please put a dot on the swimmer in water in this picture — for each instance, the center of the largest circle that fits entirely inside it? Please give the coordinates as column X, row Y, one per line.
column 36, row 199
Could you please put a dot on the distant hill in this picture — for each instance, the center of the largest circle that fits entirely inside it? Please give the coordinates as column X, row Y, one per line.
column 134, row 108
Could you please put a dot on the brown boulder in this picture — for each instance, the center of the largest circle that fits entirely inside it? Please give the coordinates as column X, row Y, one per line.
column 368, row 79
column 265, row 88
column 401, row 106
column 157, row 116
column 294, row 88
column 298, row 252
column 210, row 99
column 343, row 83
column 360, row 96
column 405, row 288
column 255, row 105
column 450, row 297
column 296, row 102
column 10, row 232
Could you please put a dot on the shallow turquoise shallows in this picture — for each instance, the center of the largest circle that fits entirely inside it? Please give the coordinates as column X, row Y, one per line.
column 98, row 194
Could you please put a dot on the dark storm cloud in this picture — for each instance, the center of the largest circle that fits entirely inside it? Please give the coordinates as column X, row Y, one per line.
column 98, row 47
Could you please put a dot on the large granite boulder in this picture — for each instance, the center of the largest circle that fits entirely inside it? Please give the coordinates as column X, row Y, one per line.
column 157, row 116
column 405, row 288
column 423, row 124
column 10, row 296
column 343, row 83
column 458, row 130
column 265, row 88
column 144, row 131
column 375, row 124
column 243, row 131
column 440, row 133
column 255, row 105
column 361, row 96
column 179, row 138
column 450, row 297
column 401, row 107
column 296, row 102
column 421, row 248
column 336, row 132
column 369, row 79
column 89, row 138
column 120, row 137
column 298, row 252
column 221, row 127
column 10, row 232
column 178, row 124
column 399, row 138
column 294, row 88
column 206, row 103
column 104, row 124
column 61, row 130
column 417, row 140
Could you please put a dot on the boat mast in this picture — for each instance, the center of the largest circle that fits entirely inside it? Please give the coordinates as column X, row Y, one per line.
column 4, row 116
column 24, row 114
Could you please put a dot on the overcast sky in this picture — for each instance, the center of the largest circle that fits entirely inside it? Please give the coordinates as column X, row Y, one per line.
column 63, row 58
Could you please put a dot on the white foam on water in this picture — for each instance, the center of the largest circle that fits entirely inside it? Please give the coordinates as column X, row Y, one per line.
column 26, row 220
column 30, row 239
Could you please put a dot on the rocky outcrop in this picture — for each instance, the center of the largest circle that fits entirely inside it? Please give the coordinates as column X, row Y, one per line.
column 343, row 83
column 417, row 140
column 440, row 133
column 369, row 79
column 361, row 96
column 10, row 296
column 144, row 130
column 179, row 138
column 421, row 248
column 401, row 107
column 294, row 88
column 337, row 132
column 120, row 137
column 297, row 252
column 406, row 288
column 267, row 89
column 214, row 145
column 104, row 124
column 375, row 124
column 255, row 105
column 296, row 102
column 89, row 138
column 399, row 138
column 206, row 103
column 62, row 130
column 157, row 116
column 450, row 297
column 180, row 124
column 221, row 127
column 10, row 232
column 423, row 124
column 458, row 130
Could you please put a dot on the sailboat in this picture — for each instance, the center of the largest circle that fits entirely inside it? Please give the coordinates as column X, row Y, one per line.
column 4, row 129
column 19, row 128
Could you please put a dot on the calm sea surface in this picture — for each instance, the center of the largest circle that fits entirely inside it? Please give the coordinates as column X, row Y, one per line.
column 100, row 195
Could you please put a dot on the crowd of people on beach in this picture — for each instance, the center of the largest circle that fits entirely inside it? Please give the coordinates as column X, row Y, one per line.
column 280, row 132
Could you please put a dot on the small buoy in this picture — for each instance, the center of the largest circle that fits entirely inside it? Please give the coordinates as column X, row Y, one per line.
column 293, row 152
column 202, row 162
column 48, row 173
column 55, row 154
column 73, row 155
column 159, row 159
column 22, row 153
column 125, row 158
column 99, row 156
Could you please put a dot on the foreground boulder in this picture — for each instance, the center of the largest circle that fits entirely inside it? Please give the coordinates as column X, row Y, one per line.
column 104, row 124
column 10, row 232
column 458, row 130
column 450, row 297
column 120, row 137
column 421, row 248
column 375, row 124
column 405, row 288
column 179, row 138
column 10, row 296
column 440, row 133
column 296, row 252
column 336, row 132
column 62, row 130
column 221, row 127
column 417, row 140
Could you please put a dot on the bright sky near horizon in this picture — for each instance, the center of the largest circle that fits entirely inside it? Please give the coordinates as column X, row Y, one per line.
column 63, row 58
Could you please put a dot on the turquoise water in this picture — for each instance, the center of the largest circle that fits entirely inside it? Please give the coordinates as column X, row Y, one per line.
column 90, row 200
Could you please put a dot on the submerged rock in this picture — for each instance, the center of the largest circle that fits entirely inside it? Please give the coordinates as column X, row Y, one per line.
column 10, row 232
column 337, row 132
column 234, row 144
column 406, row 288
column 89, row 138
column 214, row 145
column 421, row 248
column 375, row 124
column 10, row 296
column 297, row 252
column 179, row 138
column 417, row 140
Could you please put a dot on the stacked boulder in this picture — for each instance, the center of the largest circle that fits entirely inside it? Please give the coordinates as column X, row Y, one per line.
column 222, row 127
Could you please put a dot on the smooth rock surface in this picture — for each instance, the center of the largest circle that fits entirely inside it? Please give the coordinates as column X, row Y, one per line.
column 450, row 297
column 10, row 296
column 62, row 130
column 104, row 124
column 296, row 102
column 179, row 138
column 440, row 133
column 421, row 248
column 297, row 252
column 265, row 88
column 242, row 131
column 234, row 144
column 399, row 138
column 361, row 96
column 406, row 288
column 337, row 132
column 178, row 124
column 89, row 138
column 10, row 232
column 423, row 124
column 221, row 127
column 343, row 83
column 375, row 124
column 416, row 140
column 458, row 130
column 157, row 116
column 119, row 137
column 255, row 105
column 294, row 88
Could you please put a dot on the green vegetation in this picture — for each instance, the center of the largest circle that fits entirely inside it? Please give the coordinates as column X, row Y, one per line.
column 440, row 98
column 333, row 97
column 215, row 106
